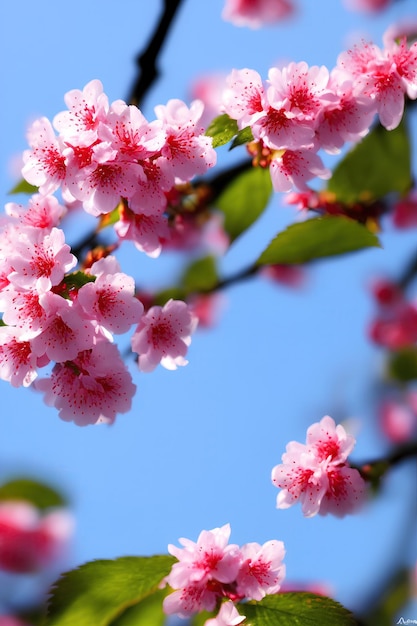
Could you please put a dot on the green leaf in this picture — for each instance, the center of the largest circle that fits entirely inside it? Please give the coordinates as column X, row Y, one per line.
column 244, row 200
column 296, row 609
column 317, row 238
column 243, row 136
column 222, row 129
column 24, row 187
column 378, row 165
column 402, row 365
column 148, row 612
column 40, row 495
column 201, row 275
column 100, row 591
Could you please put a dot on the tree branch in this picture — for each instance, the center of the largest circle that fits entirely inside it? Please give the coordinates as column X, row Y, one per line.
column 147, row 60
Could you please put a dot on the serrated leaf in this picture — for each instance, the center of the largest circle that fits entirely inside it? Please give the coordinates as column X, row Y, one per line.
column 100, row 591
column 296, row 609
column 146, row 613
column 378, row 165
column 200, row 275
column 244, row 200
column 243, row 136
column 40, row 495
column 24, row 187
column 317, row 238
column 222, row 129
column 402, row 365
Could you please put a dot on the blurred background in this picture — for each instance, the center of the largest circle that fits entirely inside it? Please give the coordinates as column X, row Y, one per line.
column 197, row 449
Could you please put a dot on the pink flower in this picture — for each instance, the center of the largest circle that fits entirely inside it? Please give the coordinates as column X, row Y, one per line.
column 317, row 474
column 261, row 571
column 243, row 98
column 209, row 89
column 293, row 169
column 87, row 109
column 256, row 13
column 146, row 231
column 202, row 569
column 18, row 363
column 29, row 542
column 227, row 616
column 110, row 302
column 395, row 324
column 43, row 212
column 367, row 6
column 187, row 151
column 44, row 165
column 163, row 336
column 90, row 389
column 40, row 259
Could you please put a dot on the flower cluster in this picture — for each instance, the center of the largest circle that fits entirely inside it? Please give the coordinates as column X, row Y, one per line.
column 30, row 542
column 301, row 109
column 318, row 474
column 211, row 570
column 106, row 159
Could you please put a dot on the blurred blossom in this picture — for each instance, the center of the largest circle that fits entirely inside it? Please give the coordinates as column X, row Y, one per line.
column 256, row 13
column 367, row 6
column 405, row 211
column 30, row 541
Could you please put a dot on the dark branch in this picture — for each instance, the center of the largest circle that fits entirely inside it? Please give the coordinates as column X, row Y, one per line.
column 147, row 60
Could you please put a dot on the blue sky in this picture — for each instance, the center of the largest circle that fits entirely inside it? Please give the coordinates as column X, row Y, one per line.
column 197, row 449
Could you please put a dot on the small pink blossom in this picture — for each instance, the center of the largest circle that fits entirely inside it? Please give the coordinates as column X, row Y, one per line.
column 294, row 168
column 43, row 212
column 110, row 302
column 398, row 420
column 147, row 232
column 90, row 389
column 395, row 323
column 18, row 363
column 44, row 164
column 86, row 110
column 187, row 151
column 41, row 259
column 163, row 336
column 256, row 13
column 405, row 211
column 227, row 616
column 261, row 571
column 243, row 98
column 317, row 473
column 367, row 6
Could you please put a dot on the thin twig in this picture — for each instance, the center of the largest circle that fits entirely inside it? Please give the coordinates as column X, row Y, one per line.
column 146, row 61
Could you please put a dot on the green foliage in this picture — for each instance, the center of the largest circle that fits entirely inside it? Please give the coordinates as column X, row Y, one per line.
column 296, row 609
column 222, row 129
column 24, row 187
column 146, row 613
column 402, row 365
column 317, row 238
column 244, row 200
column 40, row 495
column 243, row 136
column 200, row 275
column 378, row 165
column 99, row 592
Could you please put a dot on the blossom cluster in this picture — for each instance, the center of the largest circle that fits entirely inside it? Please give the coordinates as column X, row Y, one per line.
column 56, row 310
column 211, row 570
column 318, row 474
column 300, row 110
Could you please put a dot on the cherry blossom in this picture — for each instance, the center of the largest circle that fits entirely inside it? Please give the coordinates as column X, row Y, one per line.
column 187, row 151
column 295, row 168
column 256, row 13
column 28, row 541
column 43, row 212
column 261, row 571
column 163, row 336
column 147, row 232
column 317, row 473
column 91, row 388
column 398, row 420
column 395, row 323
column 18, row 363
column 405, row 211
column 110, row 301
column 40, row 259
column 243, row 98
column 87, row 109
column 44, row 165
column 227, row 616
column 202, row 568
